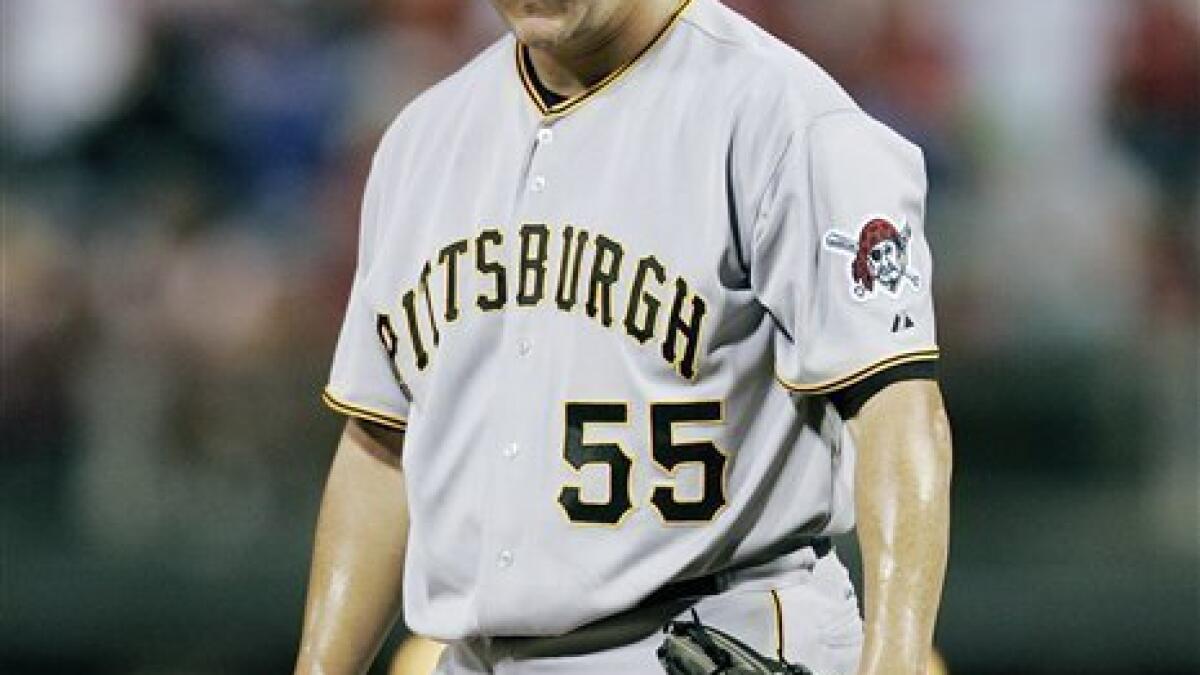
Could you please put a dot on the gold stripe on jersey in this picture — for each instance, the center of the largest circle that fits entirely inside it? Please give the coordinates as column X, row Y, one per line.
column 570, row 104
column 777, row 604
column 361, row 412
column 860, row 374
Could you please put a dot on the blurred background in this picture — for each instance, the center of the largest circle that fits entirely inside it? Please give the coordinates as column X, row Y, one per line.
column 180, row 188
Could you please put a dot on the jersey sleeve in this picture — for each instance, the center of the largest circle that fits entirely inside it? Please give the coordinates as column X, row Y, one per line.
column 363, row 381
column 840, row 258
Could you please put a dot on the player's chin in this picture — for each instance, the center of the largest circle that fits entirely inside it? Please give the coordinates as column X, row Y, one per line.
column 541, row 32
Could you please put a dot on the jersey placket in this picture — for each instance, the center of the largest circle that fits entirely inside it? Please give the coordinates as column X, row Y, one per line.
column 518, row 463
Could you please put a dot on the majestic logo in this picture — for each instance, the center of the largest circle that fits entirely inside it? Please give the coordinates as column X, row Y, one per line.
column 880, row 258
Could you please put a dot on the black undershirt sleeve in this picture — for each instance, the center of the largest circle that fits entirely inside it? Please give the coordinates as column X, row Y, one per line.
column 850, row 400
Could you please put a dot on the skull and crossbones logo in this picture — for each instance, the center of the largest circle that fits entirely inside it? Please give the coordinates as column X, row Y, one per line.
column 880, row 258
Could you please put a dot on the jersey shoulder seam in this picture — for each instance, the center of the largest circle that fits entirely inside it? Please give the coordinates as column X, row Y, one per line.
column 690, row 20
column 797, row 137
column 778, row 65
column 768, row 50
column 834, row 112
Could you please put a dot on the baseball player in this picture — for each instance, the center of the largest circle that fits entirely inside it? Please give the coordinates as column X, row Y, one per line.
column 641, row 317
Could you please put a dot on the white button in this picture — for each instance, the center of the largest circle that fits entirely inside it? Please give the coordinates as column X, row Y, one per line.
column 524, row 346
column 511, row 450
column 545, row 136
column 505, row 559
column 538, row 184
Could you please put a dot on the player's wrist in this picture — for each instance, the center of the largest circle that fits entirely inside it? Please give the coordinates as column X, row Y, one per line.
column 314, row 666
column 893, row 658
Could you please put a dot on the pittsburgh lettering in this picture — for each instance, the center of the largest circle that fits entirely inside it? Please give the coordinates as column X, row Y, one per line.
column 572, row 270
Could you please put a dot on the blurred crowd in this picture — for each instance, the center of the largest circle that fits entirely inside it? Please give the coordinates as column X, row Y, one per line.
column 182, row 179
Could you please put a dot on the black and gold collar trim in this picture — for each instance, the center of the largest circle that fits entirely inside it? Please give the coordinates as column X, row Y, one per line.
column 563, row 107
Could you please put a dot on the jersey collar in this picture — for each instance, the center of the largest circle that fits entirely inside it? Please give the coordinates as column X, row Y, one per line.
column 562, row 108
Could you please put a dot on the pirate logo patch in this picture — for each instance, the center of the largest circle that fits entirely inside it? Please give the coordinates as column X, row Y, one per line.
column 880, row 258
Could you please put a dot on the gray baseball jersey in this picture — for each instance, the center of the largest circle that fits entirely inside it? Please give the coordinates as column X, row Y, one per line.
column 607, row 323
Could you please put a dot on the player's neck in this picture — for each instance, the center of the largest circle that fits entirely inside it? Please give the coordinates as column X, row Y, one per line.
column 573, row 68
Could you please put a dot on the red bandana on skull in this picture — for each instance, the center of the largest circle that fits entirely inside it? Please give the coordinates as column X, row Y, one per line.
column 873, row 233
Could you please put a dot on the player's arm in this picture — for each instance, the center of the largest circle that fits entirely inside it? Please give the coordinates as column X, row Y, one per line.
column 358, row 556
column 902, row 487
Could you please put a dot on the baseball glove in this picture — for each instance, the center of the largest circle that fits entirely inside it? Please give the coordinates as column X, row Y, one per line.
column 692, row 648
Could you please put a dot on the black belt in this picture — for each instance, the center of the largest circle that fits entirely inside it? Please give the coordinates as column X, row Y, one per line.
column 633, row 624
column 710, row 584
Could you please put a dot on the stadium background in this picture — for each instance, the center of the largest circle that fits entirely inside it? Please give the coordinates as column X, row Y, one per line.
column 181, row 179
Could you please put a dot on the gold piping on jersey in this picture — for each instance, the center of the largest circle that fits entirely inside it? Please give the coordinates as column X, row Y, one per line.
column 861, row 374
column 575, row 101
column 369, row 414
column 778, row 605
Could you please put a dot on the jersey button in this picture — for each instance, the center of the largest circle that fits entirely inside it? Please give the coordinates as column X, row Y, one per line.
column 505, row 559
column 511, row 450
column 538, row 183
column 545, row 136
column 524, row 346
